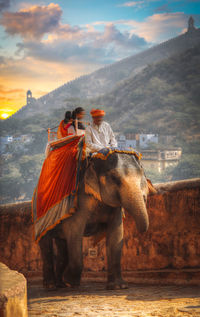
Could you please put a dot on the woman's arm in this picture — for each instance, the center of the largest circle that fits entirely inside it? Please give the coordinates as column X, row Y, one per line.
column 71, row 130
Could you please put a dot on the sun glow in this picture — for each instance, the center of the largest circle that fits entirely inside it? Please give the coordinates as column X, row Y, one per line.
column 4, row 115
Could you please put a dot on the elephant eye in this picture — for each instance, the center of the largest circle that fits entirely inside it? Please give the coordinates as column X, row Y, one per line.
column 145, row 199
column 115, row 179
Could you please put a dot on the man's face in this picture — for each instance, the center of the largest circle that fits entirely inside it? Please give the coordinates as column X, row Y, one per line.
column 98, row 120
column 80, row 115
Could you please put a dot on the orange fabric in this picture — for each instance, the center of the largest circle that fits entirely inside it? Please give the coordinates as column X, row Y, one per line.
column 58, row 177
column 97, row 113
column 62, row 132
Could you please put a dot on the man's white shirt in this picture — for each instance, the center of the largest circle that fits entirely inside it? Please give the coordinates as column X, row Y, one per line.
column 99, row 137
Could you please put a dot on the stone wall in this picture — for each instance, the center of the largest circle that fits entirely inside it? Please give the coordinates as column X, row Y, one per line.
column 13, row 293
column 171, row 243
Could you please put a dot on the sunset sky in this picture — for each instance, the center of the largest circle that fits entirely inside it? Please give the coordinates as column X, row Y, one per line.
column 44, row 44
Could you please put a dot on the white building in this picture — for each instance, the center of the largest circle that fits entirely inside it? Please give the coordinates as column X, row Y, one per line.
column 146, row 139
column 4, row 142
column 139, row 140
column 123, row 142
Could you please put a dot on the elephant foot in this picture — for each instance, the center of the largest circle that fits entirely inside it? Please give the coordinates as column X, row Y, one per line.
column 117, row 285
column 49, row 286
column 72, row 278
column 61, row 284
column 72, row 284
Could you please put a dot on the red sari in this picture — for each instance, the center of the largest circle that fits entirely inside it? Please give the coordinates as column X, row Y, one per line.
column 63, row 130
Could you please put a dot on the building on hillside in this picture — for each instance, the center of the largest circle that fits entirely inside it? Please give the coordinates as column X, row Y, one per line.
column 26, row 138
column 136, row 140
column 127, row 141
column 6, row 157
column 159, row 160
column 166, row 139
column 9, row 143
column 146, row 139
column 5, row 141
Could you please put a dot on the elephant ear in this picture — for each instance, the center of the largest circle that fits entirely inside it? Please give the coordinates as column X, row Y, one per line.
column 92, row 182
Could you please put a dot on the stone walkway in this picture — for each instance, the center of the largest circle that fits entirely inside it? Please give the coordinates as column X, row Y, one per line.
column 92, row 300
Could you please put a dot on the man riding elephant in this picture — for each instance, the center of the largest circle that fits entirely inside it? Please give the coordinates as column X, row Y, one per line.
column 99, row 134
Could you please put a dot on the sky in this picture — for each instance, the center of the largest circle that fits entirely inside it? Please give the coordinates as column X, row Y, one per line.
column 45, row 44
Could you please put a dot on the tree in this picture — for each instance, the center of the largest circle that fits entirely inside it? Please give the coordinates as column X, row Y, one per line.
column 189, row 167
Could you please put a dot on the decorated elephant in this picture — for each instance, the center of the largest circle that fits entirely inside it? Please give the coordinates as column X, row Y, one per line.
column 107, row 186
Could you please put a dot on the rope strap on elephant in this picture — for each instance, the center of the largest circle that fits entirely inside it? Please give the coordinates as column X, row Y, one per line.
column 54, row 195
column 106, row 152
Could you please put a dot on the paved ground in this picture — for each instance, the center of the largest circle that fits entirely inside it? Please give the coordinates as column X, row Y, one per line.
column 92, row 300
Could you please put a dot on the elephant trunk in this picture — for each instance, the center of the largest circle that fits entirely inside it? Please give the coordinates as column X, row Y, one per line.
column 133, row 202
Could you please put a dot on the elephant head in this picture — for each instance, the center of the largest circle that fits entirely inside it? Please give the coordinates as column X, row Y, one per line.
column 120, row 181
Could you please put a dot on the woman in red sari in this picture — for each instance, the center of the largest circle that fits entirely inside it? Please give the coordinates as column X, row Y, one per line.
column 65, row 127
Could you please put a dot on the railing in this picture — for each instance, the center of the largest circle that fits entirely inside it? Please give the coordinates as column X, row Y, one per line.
column 52, row 135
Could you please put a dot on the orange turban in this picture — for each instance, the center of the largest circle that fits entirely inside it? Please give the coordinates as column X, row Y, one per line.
column 97, row 113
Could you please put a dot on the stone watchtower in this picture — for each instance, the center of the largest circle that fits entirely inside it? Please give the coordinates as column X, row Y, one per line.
column 29, row 97
column 191, row 27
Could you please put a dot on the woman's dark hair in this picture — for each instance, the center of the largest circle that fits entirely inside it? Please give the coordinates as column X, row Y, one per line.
column 77, row 111
column 74, row 113
column 68, row 116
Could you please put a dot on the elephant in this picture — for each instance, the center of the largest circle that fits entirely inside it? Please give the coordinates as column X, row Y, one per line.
column 106, row 186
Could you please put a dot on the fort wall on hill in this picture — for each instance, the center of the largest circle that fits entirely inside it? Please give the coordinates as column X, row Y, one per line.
column 171, row 245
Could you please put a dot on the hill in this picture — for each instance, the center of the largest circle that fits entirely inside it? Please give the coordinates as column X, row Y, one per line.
column 105, row 79
column 164, row 98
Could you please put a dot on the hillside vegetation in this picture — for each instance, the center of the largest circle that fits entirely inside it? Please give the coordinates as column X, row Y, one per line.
column 164, row 98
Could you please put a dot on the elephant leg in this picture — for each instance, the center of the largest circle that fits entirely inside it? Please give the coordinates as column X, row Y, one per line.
column 61, row 261
column 46, row 247
column 114, row 243
column 72, row 274
column 73, row 230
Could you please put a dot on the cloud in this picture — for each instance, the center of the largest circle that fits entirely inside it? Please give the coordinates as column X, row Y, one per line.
column 5, row 91
column 64, row 42
column 62, row 52
column 132, row 4
column 11, row 99
column 33, row 22
column 158, row 27
column 41, row 76
column 155, row 28
column 72, row 46
column 163, row 8
column 4, row 4
column 2, row 60
column 66, row 53
column 124, row 40
column 138, row 4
